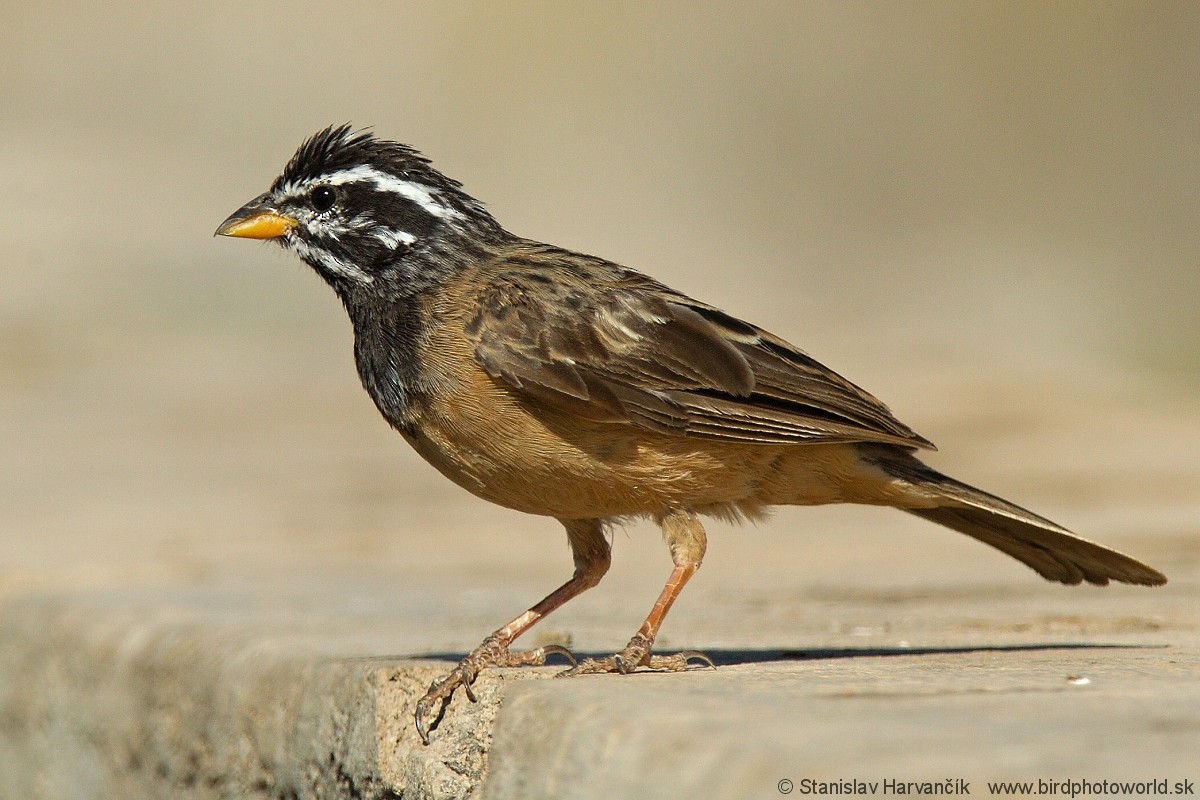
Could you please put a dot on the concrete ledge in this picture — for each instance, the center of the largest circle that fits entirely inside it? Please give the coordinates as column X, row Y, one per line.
column 738, row 732
column 852, row 644
column 100, row 707
column 108, row 696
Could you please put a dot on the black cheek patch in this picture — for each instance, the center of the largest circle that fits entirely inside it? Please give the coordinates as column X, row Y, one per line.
column 396, row 213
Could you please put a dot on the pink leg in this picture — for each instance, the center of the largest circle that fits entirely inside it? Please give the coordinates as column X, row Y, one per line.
column 591, row 552
column 685, row 537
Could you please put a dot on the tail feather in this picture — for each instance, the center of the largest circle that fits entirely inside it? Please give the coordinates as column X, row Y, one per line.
column 1049, row 549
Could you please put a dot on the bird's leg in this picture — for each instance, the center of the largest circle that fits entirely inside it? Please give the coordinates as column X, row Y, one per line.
column 591, row 552
column 685, row 537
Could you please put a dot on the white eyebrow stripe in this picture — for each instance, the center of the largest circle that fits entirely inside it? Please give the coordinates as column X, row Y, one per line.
column 385, row 182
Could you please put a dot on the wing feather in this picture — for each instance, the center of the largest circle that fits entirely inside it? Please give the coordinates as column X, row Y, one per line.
column 630, row 350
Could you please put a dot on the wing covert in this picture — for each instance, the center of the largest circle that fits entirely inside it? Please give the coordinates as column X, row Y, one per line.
column 634, row 351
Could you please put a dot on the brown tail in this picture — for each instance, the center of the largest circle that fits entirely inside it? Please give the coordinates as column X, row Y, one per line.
column 1051, row 550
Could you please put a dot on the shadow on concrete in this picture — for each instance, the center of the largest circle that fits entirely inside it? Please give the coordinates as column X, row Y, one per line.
column 725, row 658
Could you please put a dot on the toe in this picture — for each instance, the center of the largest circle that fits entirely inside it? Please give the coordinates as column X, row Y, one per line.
column 535, row 657
column 678, row 662
column 591, row 666
column 439, row 695
column 626, row 662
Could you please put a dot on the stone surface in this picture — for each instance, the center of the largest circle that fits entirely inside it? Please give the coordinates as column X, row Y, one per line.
column 225, row 692
column 851, row 644
column 992, row 713
column 222, row 576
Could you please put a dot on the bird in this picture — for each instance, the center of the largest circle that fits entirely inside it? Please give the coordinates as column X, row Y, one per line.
column 565, row 385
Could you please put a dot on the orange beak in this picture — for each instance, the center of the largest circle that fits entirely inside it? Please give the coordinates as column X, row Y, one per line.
column 256, row 221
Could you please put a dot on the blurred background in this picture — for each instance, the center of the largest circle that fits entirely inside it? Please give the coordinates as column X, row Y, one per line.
column 943, row 201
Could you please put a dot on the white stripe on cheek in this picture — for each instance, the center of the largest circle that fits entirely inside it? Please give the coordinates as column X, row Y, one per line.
column 394, row 239
column 329, row 261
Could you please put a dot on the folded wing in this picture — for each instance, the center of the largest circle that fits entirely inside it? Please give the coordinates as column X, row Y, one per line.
column 634, row 351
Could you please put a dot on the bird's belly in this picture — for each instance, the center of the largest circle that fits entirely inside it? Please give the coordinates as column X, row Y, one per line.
column 543, row 462
column 558, row 480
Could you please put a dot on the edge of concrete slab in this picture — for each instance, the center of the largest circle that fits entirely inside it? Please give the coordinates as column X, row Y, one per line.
column 101, row 704
column 96, row 706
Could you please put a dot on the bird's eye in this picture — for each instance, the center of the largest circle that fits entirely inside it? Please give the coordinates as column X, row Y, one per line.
column 322, row 198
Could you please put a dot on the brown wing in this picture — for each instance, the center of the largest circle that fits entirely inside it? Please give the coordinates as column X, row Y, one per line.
column 620, row 347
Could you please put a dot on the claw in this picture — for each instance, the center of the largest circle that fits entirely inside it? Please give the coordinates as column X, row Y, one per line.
column 623, row 665
column 422, row 712
column 441, row 691
column 423, row 731
column 488, row 654
column 556, row 649
column 695, row 655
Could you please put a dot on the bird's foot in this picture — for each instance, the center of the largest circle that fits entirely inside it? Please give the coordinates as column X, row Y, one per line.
column 636, row 654
column 492, row 652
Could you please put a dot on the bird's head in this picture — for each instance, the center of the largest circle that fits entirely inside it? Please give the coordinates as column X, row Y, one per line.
column 367, row 214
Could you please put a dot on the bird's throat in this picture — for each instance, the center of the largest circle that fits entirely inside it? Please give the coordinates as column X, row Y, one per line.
column 386, row 351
